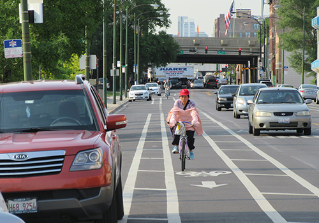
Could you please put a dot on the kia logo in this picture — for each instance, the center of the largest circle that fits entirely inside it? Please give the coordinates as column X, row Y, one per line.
column 20, row 156
column 283, row 114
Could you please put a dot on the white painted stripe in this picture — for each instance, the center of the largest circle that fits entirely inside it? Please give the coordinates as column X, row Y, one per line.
column 171, row 193
column 161, row 101
column 153, row 171
column 252, row 189
column 248, row 160
column 153, row 149
column 290, row 194
column 154, row 141
column 307, row 137
column 293, row 137
column 151, row 158
column 152, row 101
column 157, row 189
column 132, row 174
column 148, row 219
column 235, row 149
column 228, row 141
column 263, row 174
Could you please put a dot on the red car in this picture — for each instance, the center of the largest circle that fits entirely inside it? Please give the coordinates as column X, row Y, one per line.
column 60, row 155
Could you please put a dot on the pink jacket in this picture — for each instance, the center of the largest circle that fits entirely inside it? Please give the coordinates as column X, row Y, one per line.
column 190, row 115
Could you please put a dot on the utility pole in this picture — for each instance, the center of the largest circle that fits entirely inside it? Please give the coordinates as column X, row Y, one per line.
column 26, row 45
column 114, row 54
column 104, row 56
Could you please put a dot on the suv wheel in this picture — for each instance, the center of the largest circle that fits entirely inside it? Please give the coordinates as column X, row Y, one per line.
column 250, row 128
column 110, row 215
column 256, row 132
column 307, row 131
column 119, row 200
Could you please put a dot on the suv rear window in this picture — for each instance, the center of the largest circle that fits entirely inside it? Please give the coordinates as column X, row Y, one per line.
column 49, row 110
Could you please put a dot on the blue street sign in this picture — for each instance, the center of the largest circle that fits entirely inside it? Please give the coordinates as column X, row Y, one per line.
column 12, row 43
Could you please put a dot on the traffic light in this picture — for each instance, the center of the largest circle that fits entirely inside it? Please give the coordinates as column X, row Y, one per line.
column 239, row 51
column 206, row 48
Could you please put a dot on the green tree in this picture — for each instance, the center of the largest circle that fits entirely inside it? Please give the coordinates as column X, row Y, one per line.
column 291, row 21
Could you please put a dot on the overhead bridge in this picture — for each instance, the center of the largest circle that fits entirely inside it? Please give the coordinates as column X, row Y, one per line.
column 216, row 50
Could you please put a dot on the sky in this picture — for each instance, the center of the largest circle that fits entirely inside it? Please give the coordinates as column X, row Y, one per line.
column 204, row 12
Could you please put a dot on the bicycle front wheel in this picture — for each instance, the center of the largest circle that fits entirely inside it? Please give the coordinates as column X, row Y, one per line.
column 183, row 154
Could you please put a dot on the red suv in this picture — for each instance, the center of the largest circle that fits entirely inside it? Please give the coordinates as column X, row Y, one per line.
column 59, row 152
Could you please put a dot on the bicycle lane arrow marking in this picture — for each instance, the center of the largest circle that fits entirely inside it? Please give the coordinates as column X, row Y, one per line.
column 209, row 184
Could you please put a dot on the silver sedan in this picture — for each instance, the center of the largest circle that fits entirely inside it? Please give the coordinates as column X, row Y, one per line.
column 278, row 109
column 244, row 92
column 308, row 91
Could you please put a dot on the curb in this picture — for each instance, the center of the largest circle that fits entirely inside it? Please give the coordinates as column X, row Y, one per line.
column 118, row 106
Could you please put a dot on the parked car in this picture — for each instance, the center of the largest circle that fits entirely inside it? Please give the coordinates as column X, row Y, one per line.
column 197, row 83
column 139, row 92
column 308, row 91
column 210, row 81
column 63, row 152
column 224, row 97
column 154, row 88
column 285, row 85
column 176, row 83
column 267, row 82
column 278, row 109
column 100, row 84
column 244, row 93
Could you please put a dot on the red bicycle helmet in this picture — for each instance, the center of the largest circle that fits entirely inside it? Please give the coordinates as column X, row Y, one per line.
column 184, row 92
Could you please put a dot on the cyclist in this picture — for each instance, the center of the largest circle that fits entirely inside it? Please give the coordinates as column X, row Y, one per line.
column 168, row 85
column 185, row 110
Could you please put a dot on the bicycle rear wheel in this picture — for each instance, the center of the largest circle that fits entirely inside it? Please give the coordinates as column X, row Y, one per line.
column 183, row 155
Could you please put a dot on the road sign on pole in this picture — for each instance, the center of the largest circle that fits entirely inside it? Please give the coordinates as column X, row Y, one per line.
column 13, row 48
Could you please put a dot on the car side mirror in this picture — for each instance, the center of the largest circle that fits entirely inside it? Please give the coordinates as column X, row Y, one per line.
column 250, row 102
column 115, row 122
column 308, row 101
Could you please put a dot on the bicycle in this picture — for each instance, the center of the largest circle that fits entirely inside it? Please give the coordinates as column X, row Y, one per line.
column 167, row 92
column 182, row 147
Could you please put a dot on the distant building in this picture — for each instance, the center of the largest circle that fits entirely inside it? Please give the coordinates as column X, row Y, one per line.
column 186, row 28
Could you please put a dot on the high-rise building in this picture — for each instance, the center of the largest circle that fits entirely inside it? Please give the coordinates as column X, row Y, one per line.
column 186, row 28
column 181, row 25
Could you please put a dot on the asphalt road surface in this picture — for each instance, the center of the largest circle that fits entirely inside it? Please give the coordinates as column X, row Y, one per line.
column 235, row 176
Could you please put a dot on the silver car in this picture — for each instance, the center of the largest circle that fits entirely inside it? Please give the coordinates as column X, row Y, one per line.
column 278, row 109
column 308, row 91
column 154, row 88
column 244, row 92
column 197, row 83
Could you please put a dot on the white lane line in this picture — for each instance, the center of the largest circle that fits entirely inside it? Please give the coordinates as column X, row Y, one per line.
column 132, row 174
column 249, row 160
column 235, row 149
column 290, row 194
column 171, row 193
column 153, row 101
column 148, row 219
column 252, row 189
column 153, row 171
column 151, row 158
column 156, row 189
column 161, row 101
column 264, row 174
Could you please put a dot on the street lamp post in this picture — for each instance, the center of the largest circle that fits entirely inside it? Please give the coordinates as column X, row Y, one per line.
column 26, row 45
column 138, row 40
column 114, row 54
column 155, row 6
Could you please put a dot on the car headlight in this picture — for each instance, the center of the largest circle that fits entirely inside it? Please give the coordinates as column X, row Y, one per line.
column 131, row 93
column 146, row 93
column 262, row 114
column 303, row 113
column 240, row 101
column 223, row 99
column 88, row 160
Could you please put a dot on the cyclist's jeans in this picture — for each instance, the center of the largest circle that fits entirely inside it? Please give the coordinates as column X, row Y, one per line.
column 190, row 139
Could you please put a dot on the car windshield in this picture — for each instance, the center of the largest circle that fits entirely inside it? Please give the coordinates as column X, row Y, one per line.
column 198, row 82
column 138, row 88
column 174, row 80
column 151, row 85
column 45, row 111
column 228, row 89
column 309, row 86
column 249, row 90
column 277, row 97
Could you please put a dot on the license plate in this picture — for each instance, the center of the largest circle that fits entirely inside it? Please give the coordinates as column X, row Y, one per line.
column 23, row 205
column 283, row 120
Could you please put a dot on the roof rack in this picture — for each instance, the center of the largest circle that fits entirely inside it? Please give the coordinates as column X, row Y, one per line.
column 79, row 78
